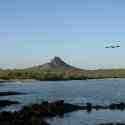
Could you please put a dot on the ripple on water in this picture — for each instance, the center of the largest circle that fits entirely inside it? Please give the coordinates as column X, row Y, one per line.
column 93, row 118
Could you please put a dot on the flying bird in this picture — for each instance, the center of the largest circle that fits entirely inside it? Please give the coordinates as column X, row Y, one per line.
column 113, row 45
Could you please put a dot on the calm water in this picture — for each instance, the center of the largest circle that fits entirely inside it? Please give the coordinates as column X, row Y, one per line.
column 76, row 92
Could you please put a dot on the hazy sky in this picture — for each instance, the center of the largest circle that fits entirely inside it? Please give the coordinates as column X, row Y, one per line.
column 34, row 31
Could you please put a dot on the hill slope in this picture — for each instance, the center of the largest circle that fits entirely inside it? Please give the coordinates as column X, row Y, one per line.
column 55, row 64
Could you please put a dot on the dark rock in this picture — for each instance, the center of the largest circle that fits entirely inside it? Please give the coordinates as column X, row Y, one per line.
column 89, row 107
column 10, row 93
column 4, row 103
column 45, row 103
column 120, row 106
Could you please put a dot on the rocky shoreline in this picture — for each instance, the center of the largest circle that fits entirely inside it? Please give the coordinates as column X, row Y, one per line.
column 36, row 113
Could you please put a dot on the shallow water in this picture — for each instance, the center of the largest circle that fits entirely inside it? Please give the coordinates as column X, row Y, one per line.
column 76, row 92
column 93, row 118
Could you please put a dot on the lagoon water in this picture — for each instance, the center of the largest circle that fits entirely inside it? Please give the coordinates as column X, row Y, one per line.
column 76, row 92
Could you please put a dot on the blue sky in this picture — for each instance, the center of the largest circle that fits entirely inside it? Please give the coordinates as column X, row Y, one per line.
column 34, row 31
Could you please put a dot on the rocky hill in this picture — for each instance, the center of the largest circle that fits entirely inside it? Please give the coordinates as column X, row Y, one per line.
column 55, row 64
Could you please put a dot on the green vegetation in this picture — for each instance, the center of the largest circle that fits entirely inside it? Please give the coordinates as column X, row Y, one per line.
column 40, row 75
column 61, row 74
column 57, row 69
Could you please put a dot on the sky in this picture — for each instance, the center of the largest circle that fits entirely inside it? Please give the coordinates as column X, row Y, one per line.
column 34, row 31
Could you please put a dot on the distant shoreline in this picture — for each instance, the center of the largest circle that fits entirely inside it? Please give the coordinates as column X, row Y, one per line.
column 30, row 80
column 16, row 80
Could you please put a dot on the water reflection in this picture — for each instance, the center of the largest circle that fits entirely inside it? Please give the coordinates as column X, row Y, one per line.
column 93, row 118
